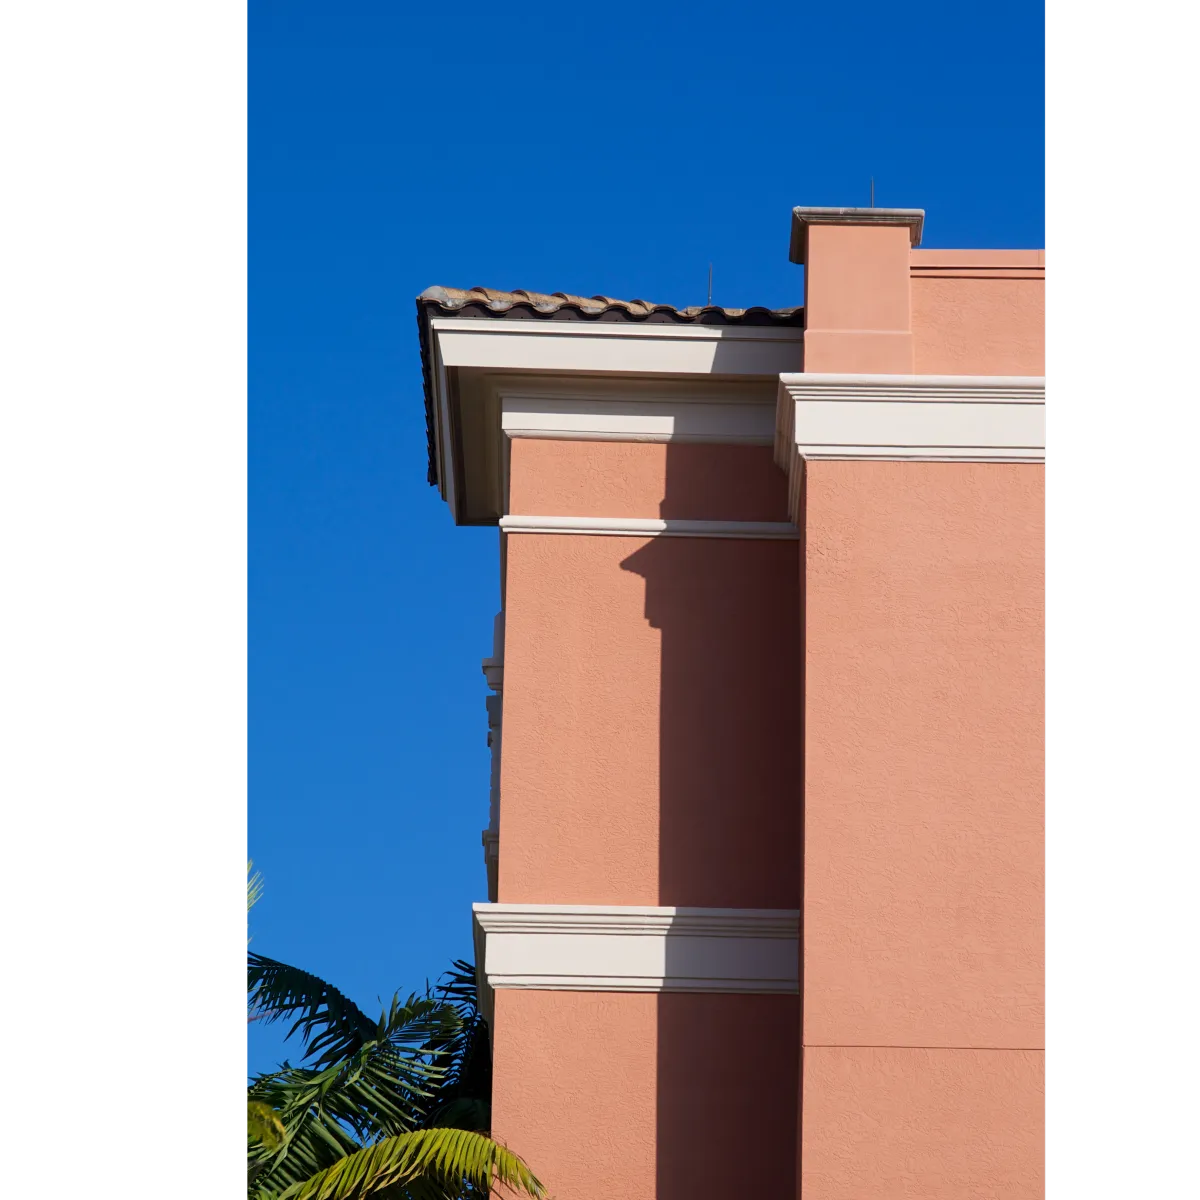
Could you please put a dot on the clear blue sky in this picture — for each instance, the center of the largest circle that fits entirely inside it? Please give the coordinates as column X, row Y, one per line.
column 615, row 149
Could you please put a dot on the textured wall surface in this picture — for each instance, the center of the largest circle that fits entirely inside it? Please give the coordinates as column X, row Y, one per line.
column 967, row 326
column 646, row 479
column 924, row 817
column 642, row 1097
column 900, row 1124
column 651, row 706
column 924, row 812
column 575, row 1089
column 651, row 722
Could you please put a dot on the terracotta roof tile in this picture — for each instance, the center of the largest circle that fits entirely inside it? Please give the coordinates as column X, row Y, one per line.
column 491, row 302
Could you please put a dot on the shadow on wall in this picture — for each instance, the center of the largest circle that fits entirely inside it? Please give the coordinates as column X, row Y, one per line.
column 730, row 811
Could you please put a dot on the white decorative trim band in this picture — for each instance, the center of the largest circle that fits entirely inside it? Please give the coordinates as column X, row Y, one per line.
column 973, row 389
column 618, row 329
column 602, row 948
column 607, row 347
column 626, row 420
column 924, row 418
column 650, row 527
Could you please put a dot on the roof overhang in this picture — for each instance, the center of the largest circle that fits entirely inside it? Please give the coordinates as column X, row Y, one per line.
column 490, row 380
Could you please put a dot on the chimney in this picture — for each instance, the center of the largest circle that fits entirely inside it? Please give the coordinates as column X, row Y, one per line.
column 857, row 308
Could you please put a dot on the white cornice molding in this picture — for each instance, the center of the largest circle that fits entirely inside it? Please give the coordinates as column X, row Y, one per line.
column 618, row 347
column 607, row 948
column 921, row 418
column 656, row 331
column 651, row 527
column 489, row 408
column 638, row 410
column 632, row 420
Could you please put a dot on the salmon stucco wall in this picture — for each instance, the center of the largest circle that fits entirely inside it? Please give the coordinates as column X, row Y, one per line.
column 646, row 479
column 924, row 820
column 924, row 812
column 633, row 1096
column 857, row 306
column 979, row 312
column 651, row 698
column 915, row 1124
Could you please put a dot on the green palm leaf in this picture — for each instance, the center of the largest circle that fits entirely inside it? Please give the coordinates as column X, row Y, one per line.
column 449, row 1159
column 387, row 1086
column 397, row 1108
column 278, row 991
column 462, row 1100
column 263, row 1125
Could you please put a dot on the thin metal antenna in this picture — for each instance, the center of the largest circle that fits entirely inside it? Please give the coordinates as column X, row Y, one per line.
column 872, row 191
column 709, row 285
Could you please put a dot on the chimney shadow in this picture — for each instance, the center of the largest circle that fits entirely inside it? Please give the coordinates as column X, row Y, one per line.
column 728, row 612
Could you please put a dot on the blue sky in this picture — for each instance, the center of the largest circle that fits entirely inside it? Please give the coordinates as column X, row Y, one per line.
column 609, row 149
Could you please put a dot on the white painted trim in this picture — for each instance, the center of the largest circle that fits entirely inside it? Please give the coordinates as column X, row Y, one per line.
column 737, row 412
column 618, row 347
column 658, row 331
column 651, row 527
column 907, row 418
column 630, row 420
column 613, row 948
column 441, row 433
column 1013, row 389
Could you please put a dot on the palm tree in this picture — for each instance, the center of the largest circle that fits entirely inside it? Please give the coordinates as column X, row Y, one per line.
column 263, row 1125
column 396, row 1108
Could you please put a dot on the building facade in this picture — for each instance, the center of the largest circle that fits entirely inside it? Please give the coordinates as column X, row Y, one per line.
column 765, row 850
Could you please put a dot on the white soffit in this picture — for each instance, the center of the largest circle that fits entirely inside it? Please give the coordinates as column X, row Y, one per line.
column 618, row 347
column 553, row 947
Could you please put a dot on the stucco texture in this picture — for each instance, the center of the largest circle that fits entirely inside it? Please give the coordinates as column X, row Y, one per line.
column 626, row 1096
column 645, row 479
column 649, row 756
column 923, row 889
column 857, row 303
column 651, row 698
column 910, row 1124
column 969, row 326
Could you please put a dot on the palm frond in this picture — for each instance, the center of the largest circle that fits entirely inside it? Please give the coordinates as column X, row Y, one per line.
column 451, row 1158
column 464, row 1098
column 263, row 1125
column 278, row 991
column 387, row 1087
column 332, row 1027
column 254, row 887
column 459, row 986
column 254, row 891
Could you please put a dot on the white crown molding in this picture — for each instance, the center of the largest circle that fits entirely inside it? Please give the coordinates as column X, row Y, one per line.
column 656, row 331
column 640, row 421
column 639, row 410
column 921, row 418
column 618, row 347
column 617, row 948
column 651, row 527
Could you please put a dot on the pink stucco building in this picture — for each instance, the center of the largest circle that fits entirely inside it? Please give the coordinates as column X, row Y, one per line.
column 765, row 856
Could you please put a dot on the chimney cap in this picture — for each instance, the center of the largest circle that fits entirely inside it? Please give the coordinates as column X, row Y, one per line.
column 802, row 218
